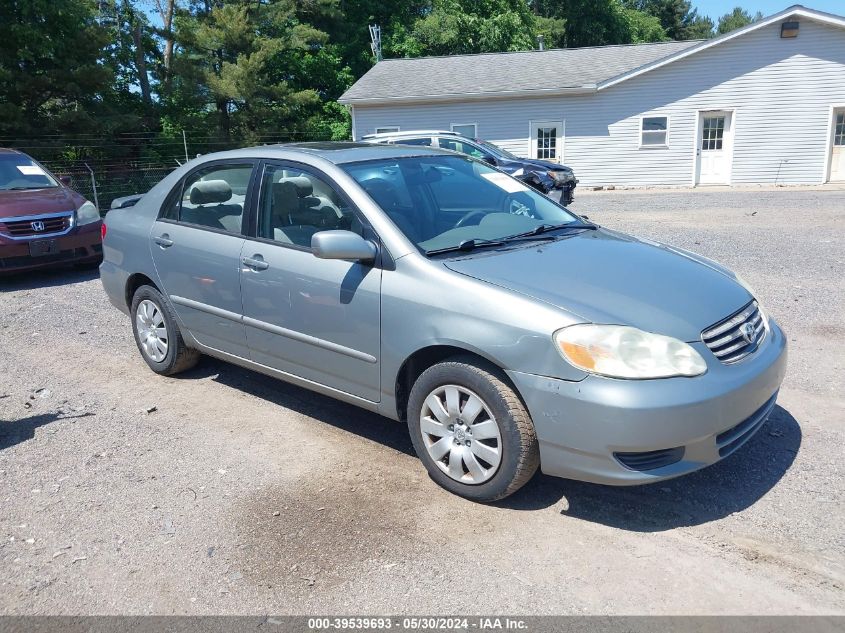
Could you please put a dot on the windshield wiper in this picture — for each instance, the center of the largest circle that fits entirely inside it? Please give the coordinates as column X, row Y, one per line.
column 545, row 228
column 466, row 245
column 535, row 234
column 472, row 244
column 21, row 188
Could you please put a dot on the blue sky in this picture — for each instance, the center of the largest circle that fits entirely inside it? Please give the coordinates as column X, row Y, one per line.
column 717, row 8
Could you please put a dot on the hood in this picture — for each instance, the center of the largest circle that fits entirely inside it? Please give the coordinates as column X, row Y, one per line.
column 541, row 164
column 36, row 201
column 608, row 277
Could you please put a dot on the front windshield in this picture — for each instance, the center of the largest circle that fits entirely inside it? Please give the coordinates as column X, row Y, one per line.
column 441, row 202
column 18, row 171
column 498, row 151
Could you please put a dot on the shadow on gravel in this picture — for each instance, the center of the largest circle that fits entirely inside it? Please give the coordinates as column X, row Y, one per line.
column 729, row 486
column 347, row 417
column 715, row 492
column 12, row 433
column 47, row 278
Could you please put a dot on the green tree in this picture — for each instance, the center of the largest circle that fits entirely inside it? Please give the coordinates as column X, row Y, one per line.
column 700, row 27
column 678, row 18
column 576, row 23
column 467, row 26
column 246, row 71
column 52, row 75
column 736, row 19
column 644, row 27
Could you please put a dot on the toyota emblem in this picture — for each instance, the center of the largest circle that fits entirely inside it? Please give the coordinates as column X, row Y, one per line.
column 38, row 225
column 747, row 331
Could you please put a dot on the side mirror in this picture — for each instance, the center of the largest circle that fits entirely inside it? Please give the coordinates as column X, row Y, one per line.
column 342, row 245
column 490, row 160
column 65, row 180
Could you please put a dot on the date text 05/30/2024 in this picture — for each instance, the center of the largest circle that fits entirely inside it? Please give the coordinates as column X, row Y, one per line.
column 417, row 623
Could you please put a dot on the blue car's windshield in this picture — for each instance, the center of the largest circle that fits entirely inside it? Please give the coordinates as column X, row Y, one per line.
column 497, row 151
column 441, row 202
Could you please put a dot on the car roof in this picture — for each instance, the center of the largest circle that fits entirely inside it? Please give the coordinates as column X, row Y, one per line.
column 337, row 152
column 9, row 150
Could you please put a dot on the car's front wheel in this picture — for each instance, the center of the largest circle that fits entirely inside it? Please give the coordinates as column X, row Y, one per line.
column 157, row 335
column 471, row 430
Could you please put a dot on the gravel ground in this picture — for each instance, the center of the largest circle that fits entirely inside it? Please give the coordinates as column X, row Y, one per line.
column 240, row 494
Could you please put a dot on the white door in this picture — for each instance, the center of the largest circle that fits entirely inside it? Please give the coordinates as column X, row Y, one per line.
column 715, row 151
column 547, row 140
column 837, row 151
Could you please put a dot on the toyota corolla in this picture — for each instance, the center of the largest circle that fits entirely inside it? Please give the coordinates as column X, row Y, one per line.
column 429, row 287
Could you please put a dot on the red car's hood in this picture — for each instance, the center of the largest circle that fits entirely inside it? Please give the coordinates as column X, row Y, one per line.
column 38, row 201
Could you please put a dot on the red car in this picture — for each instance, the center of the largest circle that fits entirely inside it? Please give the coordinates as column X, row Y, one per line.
column 42, row 221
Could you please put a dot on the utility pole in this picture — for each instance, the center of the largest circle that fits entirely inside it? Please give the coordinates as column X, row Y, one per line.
column 375, row 41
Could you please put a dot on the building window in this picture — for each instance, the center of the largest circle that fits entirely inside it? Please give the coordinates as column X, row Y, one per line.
column 654, row 131
column 387, row 129
column 839, row 134
column 713, row 133
column 470, row 130
column 547, row 143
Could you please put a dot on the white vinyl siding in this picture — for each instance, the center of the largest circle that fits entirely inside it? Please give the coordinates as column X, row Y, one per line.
column 780, row 91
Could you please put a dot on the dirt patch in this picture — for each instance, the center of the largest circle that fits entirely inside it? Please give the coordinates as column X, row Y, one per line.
column 323, row 533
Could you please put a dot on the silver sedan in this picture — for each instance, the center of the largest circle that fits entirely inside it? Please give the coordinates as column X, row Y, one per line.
column 507, row 332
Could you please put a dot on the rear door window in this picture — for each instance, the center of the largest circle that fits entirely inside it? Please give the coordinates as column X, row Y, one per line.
column 214, row 197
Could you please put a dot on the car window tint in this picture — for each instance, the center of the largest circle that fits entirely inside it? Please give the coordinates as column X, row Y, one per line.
column 170, row 208
column 296, row 203
column 214, row 197
column 440, row 201
column 414, row 141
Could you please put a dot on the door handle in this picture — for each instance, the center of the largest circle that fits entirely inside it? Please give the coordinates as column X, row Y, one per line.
column 256, row 262
column 163, row 240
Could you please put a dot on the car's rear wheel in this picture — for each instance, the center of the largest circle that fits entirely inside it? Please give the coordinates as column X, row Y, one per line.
column 157, row 335
column 471, row 430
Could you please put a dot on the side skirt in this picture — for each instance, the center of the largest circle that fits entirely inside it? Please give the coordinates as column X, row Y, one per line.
column 289, row 378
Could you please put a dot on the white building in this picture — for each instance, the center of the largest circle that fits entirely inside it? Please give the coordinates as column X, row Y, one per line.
column 763, row 104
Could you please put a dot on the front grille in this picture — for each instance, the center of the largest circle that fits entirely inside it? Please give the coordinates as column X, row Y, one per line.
column 650, row 460
column 728, row 441
column 24, row 228
column 736, row 337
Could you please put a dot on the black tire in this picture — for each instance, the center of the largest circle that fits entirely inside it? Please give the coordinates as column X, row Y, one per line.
column 179, row 356
column 520, row 454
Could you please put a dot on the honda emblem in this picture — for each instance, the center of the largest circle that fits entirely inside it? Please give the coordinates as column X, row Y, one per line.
column 38, row 225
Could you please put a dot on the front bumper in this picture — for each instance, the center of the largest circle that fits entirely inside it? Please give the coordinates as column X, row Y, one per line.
column 563, row 192
column 590, row 430
column 82, row 244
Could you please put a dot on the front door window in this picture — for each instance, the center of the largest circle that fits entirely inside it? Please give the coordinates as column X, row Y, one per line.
column 713, row 133
column 547, row 140
column 547, row 143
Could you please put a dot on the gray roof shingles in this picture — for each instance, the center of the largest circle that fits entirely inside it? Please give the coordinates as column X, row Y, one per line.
column 492, row 73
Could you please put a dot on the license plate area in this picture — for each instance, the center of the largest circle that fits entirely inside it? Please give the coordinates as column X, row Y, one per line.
column 41, row 248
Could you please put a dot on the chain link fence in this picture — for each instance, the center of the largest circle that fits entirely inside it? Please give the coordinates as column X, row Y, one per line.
column 102, row 184
column 100, row 167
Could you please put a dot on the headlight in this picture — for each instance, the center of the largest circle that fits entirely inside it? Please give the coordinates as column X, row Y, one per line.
column 559, row 176
column 87, row 213
column 619, row 351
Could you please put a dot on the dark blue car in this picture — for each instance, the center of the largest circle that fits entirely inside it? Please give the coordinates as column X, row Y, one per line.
column 554, row 180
